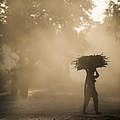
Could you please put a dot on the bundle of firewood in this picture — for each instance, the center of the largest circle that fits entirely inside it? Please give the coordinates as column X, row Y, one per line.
column 91, row 61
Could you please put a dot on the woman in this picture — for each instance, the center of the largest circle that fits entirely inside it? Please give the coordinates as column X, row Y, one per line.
column 90, row 90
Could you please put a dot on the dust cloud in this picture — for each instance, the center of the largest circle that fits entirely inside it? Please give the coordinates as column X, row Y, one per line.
column 55, row 51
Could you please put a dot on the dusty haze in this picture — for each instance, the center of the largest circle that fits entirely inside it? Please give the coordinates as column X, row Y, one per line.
column 55, row 51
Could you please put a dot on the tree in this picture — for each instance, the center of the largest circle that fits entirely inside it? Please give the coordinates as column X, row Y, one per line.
column 47, row 17
column 113, row 18
column 54, row 19
column 3, row 21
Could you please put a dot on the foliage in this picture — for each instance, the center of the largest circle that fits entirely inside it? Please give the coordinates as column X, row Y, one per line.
column 20, row 18
column 113, row 18
column 54, row 15
column 8, row 60
column 3, row 11
column 50, row 18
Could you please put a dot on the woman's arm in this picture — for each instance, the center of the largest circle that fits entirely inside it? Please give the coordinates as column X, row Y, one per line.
column 97, row 74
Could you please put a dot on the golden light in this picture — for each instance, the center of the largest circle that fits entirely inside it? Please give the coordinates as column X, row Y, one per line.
column 97, row 13
column 99, row 9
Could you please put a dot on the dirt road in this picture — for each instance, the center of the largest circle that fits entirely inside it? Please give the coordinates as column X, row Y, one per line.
column 44, row 104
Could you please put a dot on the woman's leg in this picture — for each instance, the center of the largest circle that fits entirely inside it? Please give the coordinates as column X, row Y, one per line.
column 95, row 100
column 86, row 102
